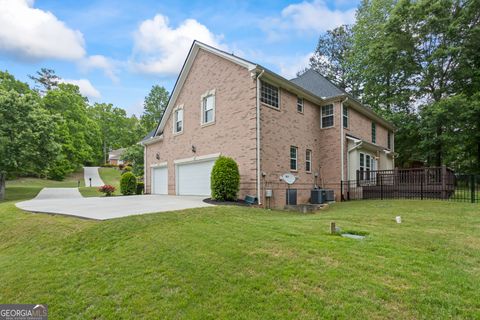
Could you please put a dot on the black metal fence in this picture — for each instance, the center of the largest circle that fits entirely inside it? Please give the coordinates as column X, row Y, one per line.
column 419, row 183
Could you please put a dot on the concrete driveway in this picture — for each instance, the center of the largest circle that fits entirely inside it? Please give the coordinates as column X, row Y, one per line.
column 92, row 173
column 66, row 201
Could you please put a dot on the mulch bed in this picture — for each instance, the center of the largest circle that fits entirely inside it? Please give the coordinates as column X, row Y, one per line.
column 239, row 202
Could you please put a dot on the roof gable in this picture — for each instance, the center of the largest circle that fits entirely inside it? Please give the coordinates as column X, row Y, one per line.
column 196, row 46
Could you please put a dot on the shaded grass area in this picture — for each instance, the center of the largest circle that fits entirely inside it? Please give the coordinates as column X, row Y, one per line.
column 109, row 176
column 27, row 188
column 242, row 263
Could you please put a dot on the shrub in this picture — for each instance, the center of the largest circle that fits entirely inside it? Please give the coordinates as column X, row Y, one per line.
column 127, row 169
column 128, row 184
column 225, row 179
column 140, row 187
column 107, row 189
column 121, row 166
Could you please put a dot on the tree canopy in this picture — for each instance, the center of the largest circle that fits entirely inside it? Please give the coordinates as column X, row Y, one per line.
column 417, row 64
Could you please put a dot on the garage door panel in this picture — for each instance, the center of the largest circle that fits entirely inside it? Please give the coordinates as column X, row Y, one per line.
column 194, row 178
column 160, row 180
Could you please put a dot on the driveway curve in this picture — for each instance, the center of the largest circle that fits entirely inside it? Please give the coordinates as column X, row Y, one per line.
column 92, row 173
column 104, row 208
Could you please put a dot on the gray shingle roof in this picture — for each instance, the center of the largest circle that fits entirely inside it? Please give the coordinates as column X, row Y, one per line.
column 317, row 84
column 149, row 135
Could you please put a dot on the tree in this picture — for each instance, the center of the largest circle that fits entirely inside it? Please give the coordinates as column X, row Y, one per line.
column 134, row 155
column 8, row 82
column 81, row 143
column 45, row 80
column 154, row 106
column 28, row 135
column 331, row 58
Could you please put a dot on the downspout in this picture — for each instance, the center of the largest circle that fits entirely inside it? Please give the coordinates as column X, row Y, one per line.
column 342, row 140
column 259, row 174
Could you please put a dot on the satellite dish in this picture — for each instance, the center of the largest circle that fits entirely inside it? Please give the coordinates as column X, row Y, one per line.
column 288, row 178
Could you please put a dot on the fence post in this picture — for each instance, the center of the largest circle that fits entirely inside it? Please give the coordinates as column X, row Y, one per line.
column 444, row 182
column 341, row 191
column 472, row 188
column 381, row 189
column 421, row 184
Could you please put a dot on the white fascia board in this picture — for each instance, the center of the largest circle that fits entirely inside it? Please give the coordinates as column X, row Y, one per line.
column 152, row 140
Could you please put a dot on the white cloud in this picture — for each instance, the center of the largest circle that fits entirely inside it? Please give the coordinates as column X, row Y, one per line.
column 31, row 33
column 307, row 16
column 85, row 86
column 162, row 49
column 100, row 62
column 297, row 63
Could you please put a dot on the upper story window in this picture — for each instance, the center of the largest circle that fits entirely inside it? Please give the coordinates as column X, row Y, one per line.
column 269, row 95
column 345, row 116
column 293, row 158
column 389, row 140
column 178, row 120
column 208, row 108
column 374, row 132
column 308, row 160
column 300, row 104
column 327, row 116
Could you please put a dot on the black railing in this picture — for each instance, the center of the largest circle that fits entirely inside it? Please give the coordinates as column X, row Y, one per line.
column 419, row 183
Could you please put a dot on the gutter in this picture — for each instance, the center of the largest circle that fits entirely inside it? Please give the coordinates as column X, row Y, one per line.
column 259, row 190
column 342, row 140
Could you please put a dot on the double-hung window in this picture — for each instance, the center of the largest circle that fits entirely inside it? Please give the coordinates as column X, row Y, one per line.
column 327, row 116
column 293, row 158
column 300, row 104
column 269, row 95
column 308, row 160
column 178, row 121
column 208, row 109
column 345, row 116
column 374, row 132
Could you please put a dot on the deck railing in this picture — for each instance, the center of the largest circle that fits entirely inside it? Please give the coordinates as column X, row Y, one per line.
column 416, row 183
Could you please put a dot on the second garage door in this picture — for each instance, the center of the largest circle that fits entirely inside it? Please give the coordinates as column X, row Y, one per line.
column 193, row 178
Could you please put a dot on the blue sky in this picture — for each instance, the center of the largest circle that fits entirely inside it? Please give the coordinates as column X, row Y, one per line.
column 116, row 50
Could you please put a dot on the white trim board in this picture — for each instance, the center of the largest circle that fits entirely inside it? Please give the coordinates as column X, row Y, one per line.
column 197, row 158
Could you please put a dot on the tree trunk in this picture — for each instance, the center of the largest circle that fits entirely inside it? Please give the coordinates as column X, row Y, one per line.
column 2, row 186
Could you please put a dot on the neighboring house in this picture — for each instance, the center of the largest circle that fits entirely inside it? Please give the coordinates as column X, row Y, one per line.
column 224, row 105
column 115, row 155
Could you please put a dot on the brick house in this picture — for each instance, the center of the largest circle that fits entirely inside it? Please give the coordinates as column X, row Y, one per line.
column 224, row 105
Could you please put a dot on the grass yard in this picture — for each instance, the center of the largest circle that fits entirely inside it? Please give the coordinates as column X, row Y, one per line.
column 109, row 176
column 241, row 263
column 27, row 188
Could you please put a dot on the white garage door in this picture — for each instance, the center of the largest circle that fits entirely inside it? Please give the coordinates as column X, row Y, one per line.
column 194, row 178
column 160, row 180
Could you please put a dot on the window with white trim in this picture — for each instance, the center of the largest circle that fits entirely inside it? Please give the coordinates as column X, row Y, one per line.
column 178, row 120
column 269, row 94
column 293, row 158
column 308, row 160
column 300, row 104
column 345, row 116
column 208, row 109
column 327, row 116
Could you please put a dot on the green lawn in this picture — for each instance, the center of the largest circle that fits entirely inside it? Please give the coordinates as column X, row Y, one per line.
column 109, row 176
column 241, row 263
column 27, row 188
